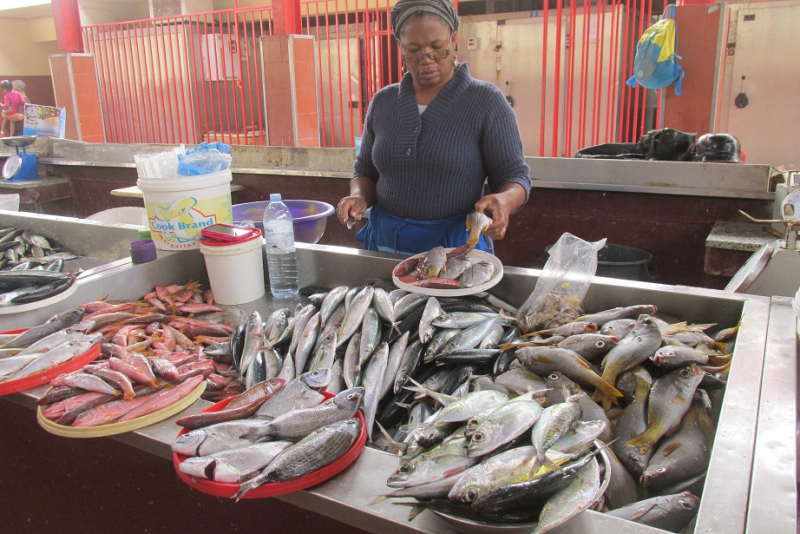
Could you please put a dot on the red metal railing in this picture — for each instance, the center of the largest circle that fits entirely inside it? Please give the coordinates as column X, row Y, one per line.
column 198, row 77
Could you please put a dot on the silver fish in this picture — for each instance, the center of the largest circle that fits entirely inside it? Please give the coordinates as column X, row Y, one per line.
column 494, row 472
column 306, row 343
column 639, row 345
column 355, row 314
column 431, row 311
column 455, row 267
column 505, row 424
column 551, row 426
column 350, row 369
column 373, row 380
column 302, row 392
column 384, row 306
column 332, row 301
column 396, row 352
column 633, row 422
column 477, row 223
column 433, row 262
column 470, row 337
column 60, row 354
column 581, row 493
column 233, row 466
column 442, row 461
column 477, row 274
column 590, row 346
column 301, row 320
column 219, row 437
column 316, row 450
column 298, row 423
column 672, row 356
column 370, row 336
column 325, row 353
column 667, row 512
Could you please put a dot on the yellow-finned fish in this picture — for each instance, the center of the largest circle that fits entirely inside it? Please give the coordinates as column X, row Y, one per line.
column 477, row 223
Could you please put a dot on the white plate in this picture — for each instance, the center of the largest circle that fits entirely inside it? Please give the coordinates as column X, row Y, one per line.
column 475, row 256
column 19, row 308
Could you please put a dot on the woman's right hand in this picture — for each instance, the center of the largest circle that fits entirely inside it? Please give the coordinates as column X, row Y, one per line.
column 351, row 209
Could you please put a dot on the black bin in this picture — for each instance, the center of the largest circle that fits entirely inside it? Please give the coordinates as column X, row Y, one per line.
column 620, row 261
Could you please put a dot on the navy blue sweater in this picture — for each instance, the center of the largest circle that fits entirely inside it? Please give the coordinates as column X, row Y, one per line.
column 434, row 166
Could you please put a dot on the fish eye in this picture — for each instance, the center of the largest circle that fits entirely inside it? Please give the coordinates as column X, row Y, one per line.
column 686, row 505
column 661, row 470
column 478, row 437
column 684, row 372
column 553, row 376
column 351, row 396
column 404, row 468
column 600, row 344
column 647, row 320
column 471, row 495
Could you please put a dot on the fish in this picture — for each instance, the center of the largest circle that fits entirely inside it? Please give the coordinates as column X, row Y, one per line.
column 544, row 360
column 438, row 489
column 58, row 322
column 455, row 267
column 306, row 343
column 355, row 315
column 618, row 328
column 164, row 398
column 670, row 398
column 85, row 381
column 469, row 338
column 622, row 488
column 302, row 392
column 350, row 367
column 370, row 336
column 433, row 262
column 409, row 364
column 667, row 512
column 252, row 341
column 9, row 366
column 477, row 223
column 296, row 424
column 590, row 346
column 579, row 495
column 325, row 353
column 553, row 422
column 477, row 274
column 313, row 452
column 633, row 422
column 236, row 465
column 384, row 306
column 58, row 355
column 373, row 380
column 240, row 411
column 623, row 312
column 520, row 381
column 108, row 412
column 494, row 472
column 396, row 353
column 683, row 454
column 332, row 301
column 429, row 313
column 504, row 424
column 673, row 356
column 562, row 388
column 219, row 437
column 442, row 461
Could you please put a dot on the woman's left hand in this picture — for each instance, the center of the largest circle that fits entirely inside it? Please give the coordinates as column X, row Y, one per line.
column 500, row 206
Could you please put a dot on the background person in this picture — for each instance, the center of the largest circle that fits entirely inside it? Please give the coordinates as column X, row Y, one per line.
column 431, row 143
column 13, row 103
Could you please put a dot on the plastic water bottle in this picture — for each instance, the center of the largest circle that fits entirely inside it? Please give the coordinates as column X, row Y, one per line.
column 281, row 255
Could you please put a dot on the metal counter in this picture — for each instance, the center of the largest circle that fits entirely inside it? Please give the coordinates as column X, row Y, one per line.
column 773, row 490
column 346, row 497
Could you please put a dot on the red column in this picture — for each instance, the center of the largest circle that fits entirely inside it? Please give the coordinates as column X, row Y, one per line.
column 68, row 26
column 286, row 15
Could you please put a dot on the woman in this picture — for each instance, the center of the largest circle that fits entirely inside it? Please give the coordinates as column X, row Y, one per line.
column 431, row 142
column 13, row 103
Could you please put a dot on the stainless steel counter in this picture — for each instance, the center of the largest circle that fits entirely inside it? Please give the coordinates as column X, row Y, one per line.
column 773, row 490
column 346, row 497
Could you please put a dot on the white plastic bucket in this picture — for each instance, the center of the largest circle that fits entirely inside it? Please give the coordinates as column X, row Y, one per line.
column 235, row 271
column 179, row 208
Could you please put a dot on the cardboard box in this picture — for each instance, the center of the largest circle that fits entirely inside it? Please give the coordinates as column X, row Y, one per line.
column 44, row 121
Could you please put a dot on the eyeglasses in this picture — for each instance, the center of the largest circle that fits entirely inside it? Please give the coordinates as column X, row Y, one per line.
column 436, row 55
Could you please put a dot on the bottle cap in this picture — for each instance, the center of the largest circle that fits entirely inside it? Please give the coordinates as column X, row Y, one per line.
column 144, row 233
column 275, row 197
column 143, row 251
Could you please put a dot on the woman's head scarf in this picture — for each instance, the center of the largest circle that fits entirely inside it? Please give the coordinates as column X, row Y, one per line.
column 404, row 9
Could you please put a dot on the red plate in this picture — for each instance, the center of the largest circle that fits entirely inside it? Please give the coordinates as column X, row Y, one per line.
column 273, row 489
column 44, row 377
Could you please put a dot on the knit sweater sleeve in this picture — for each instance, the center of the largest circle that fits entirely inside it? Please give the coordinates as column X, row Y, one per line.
column 364, row 165
column 501, row 145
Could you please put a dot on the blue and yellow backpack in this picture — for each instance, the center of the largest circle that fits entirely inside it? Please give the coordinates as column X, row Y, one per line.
column 656, row 63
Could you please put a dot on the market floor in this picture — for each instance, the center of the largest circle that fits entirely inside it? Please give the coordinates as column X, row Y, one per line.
column 54, row 484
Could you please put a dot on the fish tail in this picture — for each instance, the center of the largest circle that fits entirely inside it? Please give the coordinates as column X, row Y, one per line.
column 644, row 441
column 244, row 488
column 397, row 446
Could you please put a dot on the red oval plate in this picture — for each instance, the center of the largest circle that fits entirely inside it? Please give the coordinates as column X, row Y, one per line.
column 273, row 489
column 44, row 377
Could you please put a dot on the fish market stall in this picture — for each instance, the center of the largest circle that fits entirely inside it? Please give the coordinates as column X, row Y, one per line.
column 346, row 497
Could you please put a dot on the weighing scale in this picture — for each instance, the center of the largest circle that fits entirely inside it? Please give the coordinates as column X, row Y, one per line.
column 774, row 269
column 20, row 167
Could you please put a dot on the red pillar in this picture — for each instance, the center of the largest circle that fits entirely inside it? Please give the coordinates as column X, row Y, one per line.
column 68, row 26
column 286, row 17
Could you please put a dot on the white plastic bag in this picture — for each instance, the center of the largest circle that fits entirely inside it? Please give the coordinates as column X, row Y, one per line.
column 566, row 277
column 9, row 202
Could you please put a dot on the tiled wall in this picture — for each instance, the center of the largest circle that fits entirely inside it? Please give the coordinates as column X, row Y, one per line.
column 75, row 85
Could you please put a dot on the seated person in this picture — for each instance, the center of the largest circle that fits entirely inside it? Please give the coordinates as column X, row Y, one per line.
column 13, row 104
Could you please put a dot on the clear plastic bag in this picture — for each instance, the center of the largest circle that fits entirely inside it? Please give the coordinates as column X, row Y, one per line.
column 559, row 292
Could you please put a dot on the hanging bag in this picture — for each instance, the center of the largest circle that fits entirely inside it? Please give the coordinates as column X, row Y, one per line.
column 656, row 63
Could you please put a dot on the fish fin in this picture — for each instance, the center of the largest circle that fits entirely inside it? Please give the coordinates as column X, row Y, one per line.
column 414, row 511
column 376, row 500
column 641, row 511
column 644, row 441
column 669, row 449
column 244, row 488
column 397, row 446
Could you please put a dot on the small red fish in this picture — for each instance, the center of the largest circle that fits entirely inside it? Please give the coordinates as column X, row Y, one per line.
column 438, row 283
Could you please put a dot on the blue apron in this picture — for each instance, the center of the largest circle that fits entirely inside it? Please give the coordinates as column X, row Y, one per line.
column 386, row 232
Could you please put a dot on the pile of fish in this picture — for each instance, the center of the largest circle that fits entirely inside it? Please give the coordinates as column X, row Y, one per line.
column 271, row 433
column 26, row 286
column 456, row 269
column 43, row 347
column 22, row 250
column 651, row 383
column 149, row 360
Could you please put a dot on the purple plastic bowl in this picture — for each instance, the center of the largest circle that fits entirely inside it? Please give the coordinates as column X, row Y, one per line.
column 310, row 217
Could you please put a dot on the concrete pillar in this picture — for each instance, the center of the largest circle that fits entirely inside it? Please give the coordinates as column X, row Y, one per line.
column 68, row 26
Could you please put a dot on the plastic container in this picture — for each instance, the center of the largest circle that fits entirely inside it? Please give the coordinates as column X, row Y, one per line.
column 179, row 208
column 235, row 268
column 308, row 216
column 123, row 215
column 9, row 202
column 143, row 251
column 281, row 255
column 619, row 261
